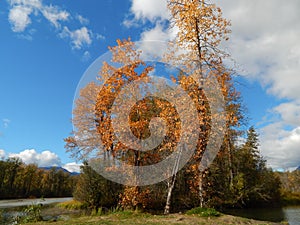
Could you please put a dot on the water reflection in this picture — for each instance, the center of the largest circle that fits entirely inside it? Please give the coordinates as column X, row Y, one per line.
column 264, row 214
column 292, row 215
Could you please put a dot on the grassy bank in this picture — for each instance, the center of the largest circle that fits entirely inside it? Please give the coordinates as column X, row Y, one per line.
column 195, row 216
column 157, row 220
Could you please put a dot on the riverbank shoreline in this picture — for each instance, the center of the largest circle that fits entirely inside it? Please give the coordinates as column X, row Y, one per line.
column 54, row 214
column 12, row 203
column 144, row 219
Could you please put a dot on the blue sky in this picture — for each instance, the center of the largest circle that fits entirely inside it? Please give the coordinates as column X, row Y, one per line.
column 46, row 46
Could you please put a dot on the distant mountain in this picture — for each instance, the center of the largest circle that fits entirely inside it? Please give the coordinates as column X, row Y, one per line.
column 59, row 168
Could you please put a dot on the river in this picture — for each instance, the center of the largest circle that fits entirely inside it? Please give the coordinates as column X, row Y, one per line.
column 11, row 209
column 290, row 214
column 4, row 204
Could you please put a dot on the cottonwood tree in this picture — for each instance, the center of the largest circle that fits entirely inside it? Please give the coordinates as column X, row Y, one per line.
column 140, row 117
column 196, row 48
column 93, row 116
column 94, row 112
column 85, row 138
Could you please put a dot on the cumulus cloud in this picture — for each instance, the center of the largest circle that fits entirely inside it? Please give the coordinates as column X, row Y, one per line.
column 143, row 10
column 265, row 44
column 79, row 37
column 21, row 15
column 19, row 18
column 20, row 12
column 151, row 40
column 157, row 33
column 150, row 10
column 289, row 113
column 29, row 3
column 280, row 137
column 154, row 42
column 45, row 158
column 55, row 15
column 2, row 154
column 281, row 147
column 72, row 167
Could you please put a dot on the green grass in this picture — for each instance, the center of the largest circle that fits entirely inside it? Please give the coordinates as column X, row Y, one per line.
column 204, row 212
column 128, row 217
column 72, row 204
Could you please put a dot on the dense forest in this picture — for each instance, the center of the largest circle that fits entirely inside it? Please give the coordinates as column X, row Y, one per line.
column 18, row 180
column 290, row 187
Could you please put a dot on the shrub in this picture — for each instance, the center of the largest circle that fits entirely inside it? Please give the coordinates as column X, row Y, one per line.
column 32, row 213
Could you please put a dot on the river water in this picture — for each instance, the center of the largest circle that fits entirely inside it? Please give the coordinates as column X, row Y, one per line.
column 4, row 204
column 11, row 209
column 290, row 214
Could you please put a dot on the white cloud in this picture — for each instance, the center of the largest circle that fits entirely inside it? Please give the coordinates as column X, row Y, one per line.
column 280, row 138
column 82, row 20
column 157, row 33
column 2, row 154
column 19, row 18
column 19, row 14
column 21, row 11
column 149, row 10
column 28, row 35
column 45, row 158
column 29, row 3
column 289, row 113
column 265, row 44
column 6, row 122
column 55, row 15
column 280, row 147
column 100, row 37
column 86, row 56
column 72, row 167
column 79, row 37
column 151, row 40
column 154, row 42
column 145, row 10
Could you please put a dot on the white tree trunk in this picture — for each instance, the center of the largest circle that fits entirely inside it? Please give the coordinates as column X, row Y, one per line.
column 200, row 186
column 171, row 184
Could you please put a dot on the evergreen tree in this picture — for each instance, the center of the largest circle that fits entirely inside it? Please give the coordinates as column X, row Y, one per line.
column 95, row 190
